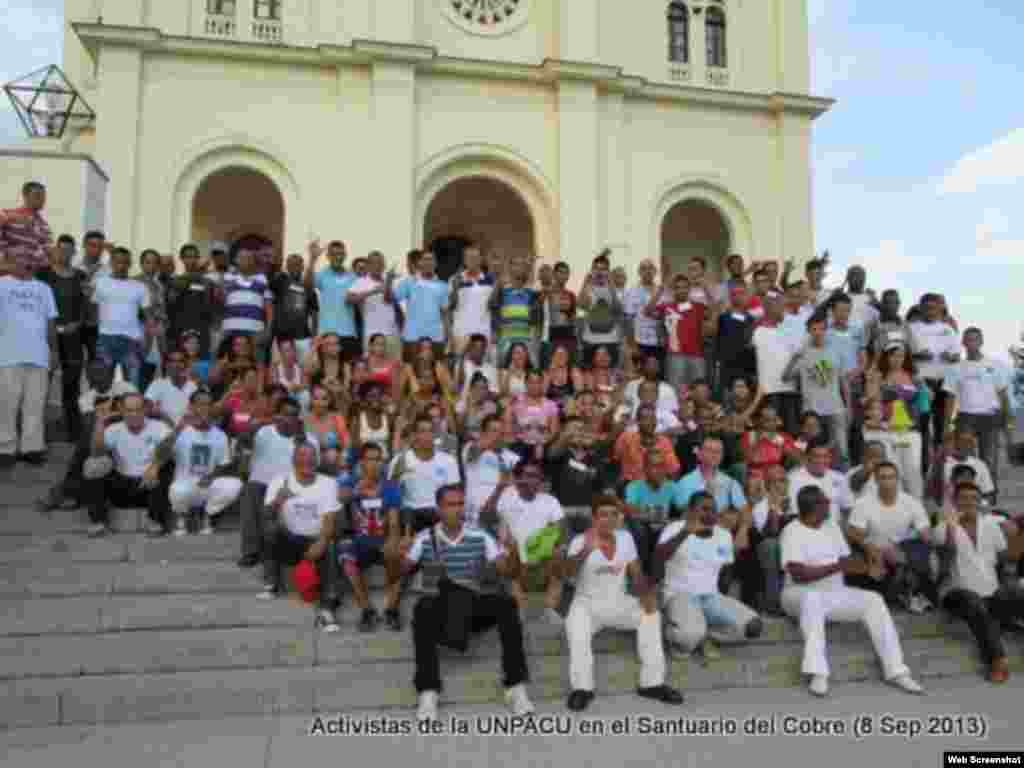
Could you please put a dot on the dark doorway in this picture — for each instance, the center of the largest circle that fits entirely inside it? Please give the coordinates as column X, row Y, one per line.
column 448, row 252
column 249, row 242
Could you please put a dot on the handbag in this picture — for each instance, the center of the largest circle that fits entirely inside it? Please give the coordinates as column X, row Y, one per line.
column 456, row 604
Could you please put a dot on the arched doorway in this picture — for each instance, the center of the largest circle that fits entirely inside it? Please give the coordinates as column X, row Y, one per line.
column 481, row 210
column 694, row 228
column 238, row 205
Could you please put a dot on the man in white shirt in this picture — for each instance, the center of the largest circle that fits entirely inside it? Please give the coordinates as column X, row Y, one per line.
column 488, row 466
column 979, row 385
column 421, row 470
column 271, row 452
column 470, row 291
column 814, row 562
column 668, row 399
column 935, row 350
column 693, row 552
column 124, row 308
column 169, row 397
column 475, row 361
column 892, row 528
column 524, row 512
column 132, row 443
column 643, row 331
column 379, row 316
column 774, row 347
column 28, row 350
column 977, row 544
column 204, row 472
column 816, row 473
column 861, row 479
column 303, row 507
column 601, row 560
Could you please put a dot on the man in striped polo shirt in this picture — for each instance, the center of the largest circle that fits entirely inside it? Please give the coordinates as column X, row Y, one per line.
column 517, row 310
column 248, row 305
column 25, row 231
column 463, row 554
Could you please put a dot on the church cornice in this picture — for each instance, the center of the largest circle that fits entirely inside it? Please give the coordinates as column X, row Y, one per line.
column 426, row 59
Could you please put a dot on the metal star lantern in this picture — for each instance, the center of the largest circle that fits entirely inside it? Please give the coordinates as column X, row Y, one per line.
column 46, row 102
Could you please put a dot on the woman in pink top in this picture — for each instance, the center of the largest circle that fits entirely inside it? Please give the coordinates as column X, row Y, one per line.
column 533, row 419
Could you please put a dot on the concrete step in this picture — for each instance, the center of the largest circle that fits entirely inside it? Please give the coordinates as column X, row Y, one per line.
column 353, row 687
column 23, row 520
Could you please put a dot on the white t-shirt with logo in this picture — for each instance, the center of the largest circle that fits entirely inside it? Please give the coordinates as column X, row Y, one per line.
column 937, row 338
column 889, row 524
column 120, row 302
column 26, row 309
column 304, row 513
column 775, row 348
column 472, row 314
column 600, row 579
column 812, row 546
column 197, row 453
column 645, row 328
column 133, row 452
column 977, row 384
column 378, row 315
column 173, row 402
column 524, row 518
column 482, row 477
column 696, row 564
column 422, row 479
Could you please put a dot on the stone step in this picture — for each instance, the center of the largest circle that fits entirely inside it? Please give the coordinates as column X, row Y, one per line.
column 23, row 520
column 352, row 687
column 287, row 637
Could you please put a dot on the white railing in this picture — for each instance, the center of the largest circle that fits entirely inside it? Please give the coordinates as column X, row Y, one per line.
column 219, row 26
column 264, row 31
column 718, row 77
column 679, row 73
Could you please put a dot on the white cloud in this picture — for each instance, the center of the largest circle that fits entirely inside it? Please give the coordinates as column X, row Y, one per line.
column 999, row 163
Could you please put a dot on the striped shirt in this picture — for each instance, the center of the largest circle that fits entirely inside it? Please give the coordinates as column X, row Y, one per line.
column 25, row 231
column 463, row 558
column 515, row 317
column 245, row 301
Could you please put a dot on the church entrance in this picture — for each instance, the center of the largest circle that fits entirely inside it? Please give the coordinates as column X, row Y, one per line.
column 481, row 210
column 239, row 206
column 694, row 228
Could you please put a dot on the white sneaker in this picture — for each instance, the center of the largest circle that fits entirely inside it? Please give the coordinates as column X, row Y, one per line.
column 518, row 702
column 427, row 709
column 268, row 592
column 96, row 530
column 326, row 621
column 207, row 529
column 179, row 527
column 908, row 684
column 917, row 605
column 154, row 528
column 819, row 685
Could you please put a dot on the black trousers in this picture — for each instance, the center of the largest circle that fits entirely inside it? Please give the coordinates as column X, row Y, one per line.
column 488, row 611
column 69, row 346
column 932, row 425
column 90, row 335
column 73, row 485
column 915, row 576
column 985, row 615
column 787, row 406
column 123, row 492
column 288, row 549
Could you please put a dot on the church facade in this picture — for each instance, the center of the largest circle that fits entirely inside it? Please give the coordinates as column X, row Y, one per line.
column 551, row 128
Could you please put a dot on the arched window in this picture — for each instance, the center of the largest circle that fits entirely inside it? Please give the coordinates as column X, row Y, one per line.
column 678, row 33
column 715, row 36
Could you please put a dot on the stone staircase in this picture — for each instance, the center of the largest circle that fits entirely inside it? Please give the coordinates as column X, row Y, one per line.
column 129, row 629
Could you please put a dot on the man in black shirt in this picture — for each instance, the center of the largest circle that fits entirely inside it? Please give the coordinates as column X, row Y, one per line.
column 190, row 303
column 734, row 348
column 294, row 305
column 68, row 286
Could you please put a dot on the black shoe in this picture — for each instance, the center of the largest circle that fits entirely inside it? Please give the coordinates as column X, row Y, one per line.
column 661, row 693
column 580, row 700
column 8, row 460
column 754, row 628
column 393, row 619
column 249, row 561
column 369, row 621
column 36, row 458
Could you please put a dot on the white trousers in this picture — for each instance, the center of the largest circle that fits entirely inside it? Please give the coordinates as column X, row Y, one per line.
column 586, row 618
column 813, row 607
column 904, row 450
column 690, row 617
column 22, row 391
column 221, row 494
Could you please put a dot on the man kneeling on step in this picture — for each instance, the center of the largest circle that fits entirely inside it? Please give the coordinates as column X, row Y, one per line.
column 694, row 551
column 462, row 553
column 304, row 506
column 601, row 560
column 815, row 556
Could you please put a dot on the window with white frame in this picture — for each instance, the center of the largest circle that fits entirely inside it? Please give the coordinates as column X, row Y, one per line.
column 267, row 10
column 715, row 37
column 678, row 33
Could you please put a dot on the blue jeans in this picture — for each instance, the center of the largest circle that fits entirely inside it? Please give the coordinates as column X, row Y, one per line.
column 123, row 351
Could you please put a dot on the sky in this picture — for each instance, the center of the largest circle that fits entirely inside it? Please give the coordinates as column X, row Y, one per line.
column 918, row 170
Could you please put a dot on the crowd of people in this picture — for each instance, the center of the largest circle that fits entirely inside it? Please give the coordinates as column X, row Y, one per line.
column 679, row 458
